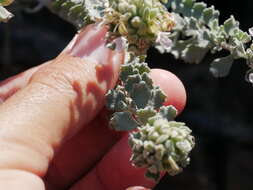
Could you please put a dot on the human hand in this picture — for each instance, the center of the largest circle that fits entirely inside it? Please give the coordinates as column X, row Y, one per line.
column 53, row 128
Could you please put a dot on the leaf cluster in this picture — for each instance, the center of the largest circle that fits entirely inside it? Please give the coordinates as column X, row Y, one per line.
column 198, row 32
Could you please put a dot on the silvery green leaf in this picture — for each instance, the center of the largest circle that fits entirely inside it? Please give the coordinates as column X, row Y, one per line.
column 251, row 31
column 193, row 24
column 244, row 37
column 123, row 121
column 151, row 175
column 231, row 25
column 145, row 77
column 132, row 81
column 133, row 68
column 178, row 48
column 5, row 15
column 96, row 8
column 220, row 67
column 116, row 100
column 210, row 14
column 125, row 71
column 194, row 54
column 239, row 50
column 141, row 94
column 163, row 42
column 214, row 25
column 200, row 32
column 187, row 7
column 158, row 98
column 72, row 11
column 168, row 112
column 197, row 10
column 179, row 21
column 142, row 68
column 145, row 114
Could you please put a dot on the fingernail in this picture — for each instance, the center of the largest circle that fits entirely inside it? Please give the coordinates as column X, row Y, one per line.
column 90, row 43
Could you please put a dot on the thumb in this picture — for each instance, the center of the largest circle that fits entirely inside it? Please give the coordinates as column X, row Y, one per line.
column 58, row 99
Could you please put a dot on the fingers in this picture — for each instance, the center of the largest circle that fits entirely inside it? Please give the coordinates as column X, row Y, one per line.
column 172, row 87
column 13, row 84
column 115, row 168
column 82, row 152
column 20, row 180
column 115, row 171
column 57, row 100
column 169, row 82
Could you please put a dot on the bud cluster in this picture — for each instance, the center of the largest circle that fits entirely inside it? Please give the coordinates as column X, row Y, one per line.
column 161, row 145
column 140, row 21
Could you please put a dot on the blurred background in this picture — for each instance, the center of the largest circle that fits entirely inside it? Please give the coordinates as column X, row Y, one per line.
column 218, row 110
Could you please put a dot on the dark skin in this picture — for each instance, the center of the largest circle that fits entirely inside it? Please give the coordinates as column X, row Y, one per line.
column 53, row 124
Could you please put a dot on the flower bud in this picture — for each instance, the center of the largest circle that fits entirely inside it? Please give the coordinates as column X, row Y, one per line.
column 123, row 7
column 122, row 29
column 136, row 22
column 132, row 9
column 165, row 147
column 145, row 18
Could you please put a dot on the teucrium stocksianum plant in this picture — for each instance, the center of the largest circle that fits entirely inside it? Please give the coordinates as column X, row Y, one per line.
column 185, row 28
column 200, row 26
column 160, row 143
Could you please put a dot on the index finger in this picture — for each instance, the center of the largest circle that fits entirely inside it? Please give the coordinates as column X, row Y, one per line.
column 35, row 121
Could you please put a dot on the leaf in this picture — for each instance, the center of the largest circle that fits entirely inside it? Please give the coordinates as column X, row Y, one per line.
column 123, row 121
column 154, row 176
column 220, row 67
column 145, row 114
column 230, row 25
column 158, row 98
column 209, row 14
column 243, row 36
column 116, row 100
column 168, row 112
column 72, row 11
column 194, row 54
column 198, row 9
column 132, row 81
column 125, row 71
column 5, row 15
column 96, row 8
column 188, row 4
column 142, row 68
column 145, row 77
column 134, row 68
column 141, row 94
